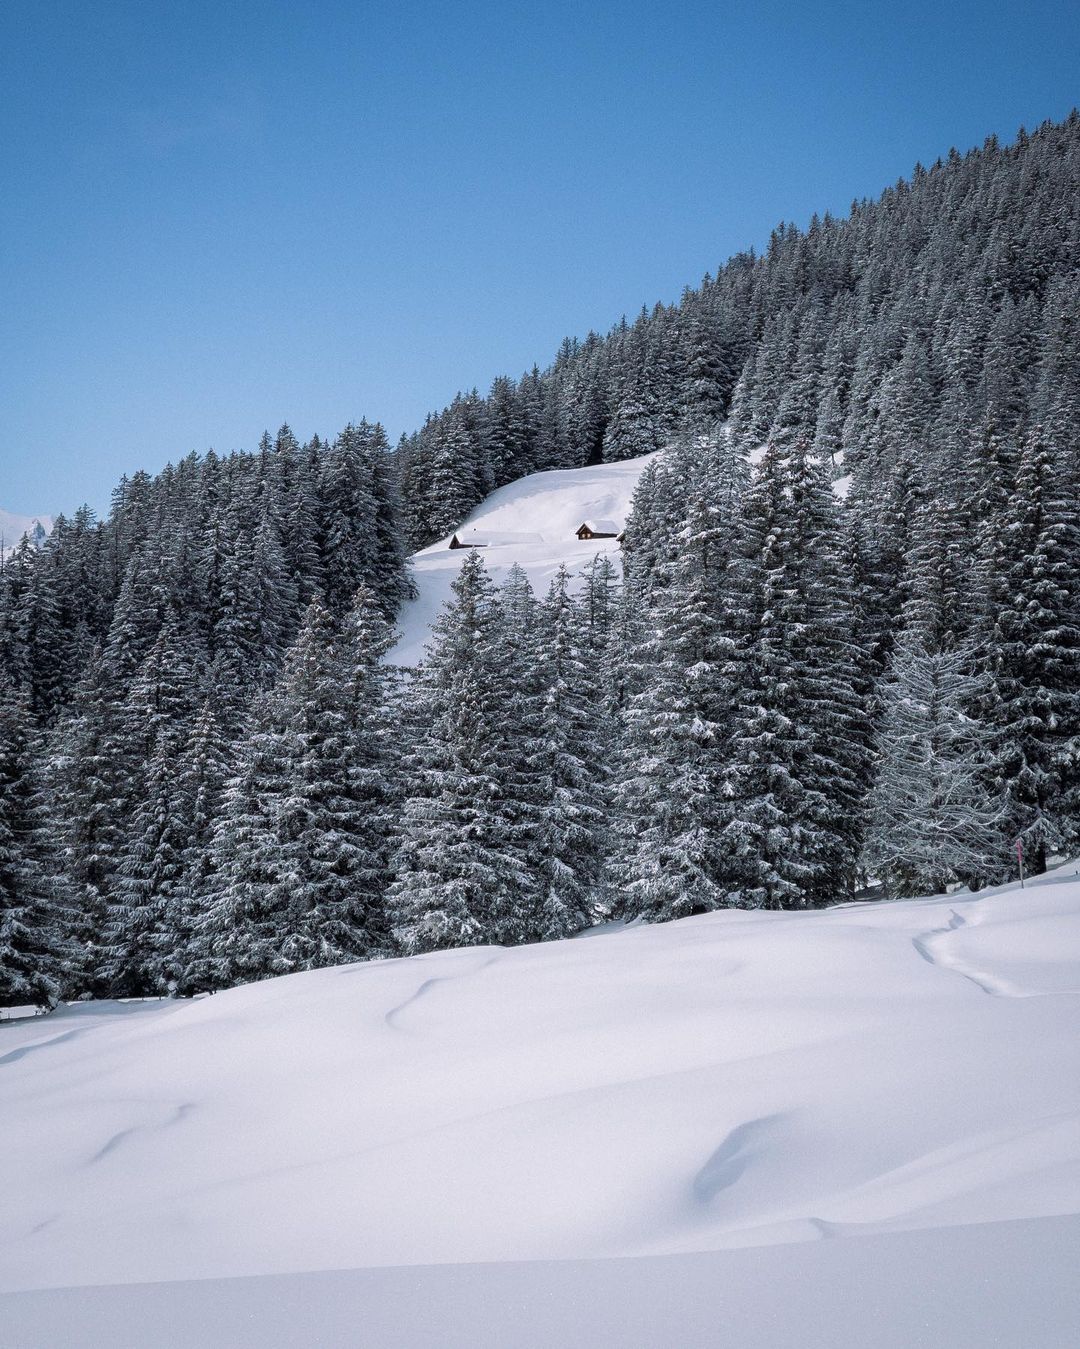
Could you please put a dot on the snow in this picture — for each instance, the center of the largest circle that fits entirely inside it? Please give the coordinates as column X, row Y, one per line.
column 1001, row 1284
column 13, row 527
column 476, row 537
column 531, row 522
column 863, row 1121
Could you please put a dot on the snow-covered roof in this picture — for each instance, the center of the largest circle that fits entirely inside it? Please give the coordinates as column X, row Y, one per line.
column 600, row 526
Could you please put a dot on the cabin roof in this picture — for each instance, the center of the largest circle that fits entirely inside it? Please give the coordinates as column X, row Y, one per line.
column 600, row 526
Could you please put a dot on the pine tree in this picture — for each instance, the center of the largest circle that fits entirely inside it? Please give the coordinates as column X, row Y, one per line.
column 371, row 778
column 632, row 428
column 457, row 860
column 35, row 953
column 600, row 608
column 252, row 607
column 236, row 924
column 44, row 642
column 349, row 511
column 517, row 689
column 300, row 854
column 931, row 819
column 202, row 771
column 506, row 448
column 708, row 379
column 796, row 773
column 570, row 759
column 937, row 606
column 1034, row 640
column 452, row 474
column 88, row 781
column 679, row 722
column 389, row 577
column 143, row 928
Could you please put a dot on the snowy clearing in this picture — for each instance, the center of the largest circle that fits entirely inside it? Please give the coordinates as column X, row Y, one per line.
column 530, row 522
column 737, row 1080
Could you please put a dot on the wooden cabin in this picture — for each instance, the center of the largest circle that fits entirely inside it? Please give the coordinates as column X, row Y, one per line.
column 598, row 529
column 455, row 542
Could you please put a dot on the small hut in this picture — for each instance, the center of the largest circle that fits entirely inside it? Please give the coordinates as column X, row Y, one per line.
column 598, row 529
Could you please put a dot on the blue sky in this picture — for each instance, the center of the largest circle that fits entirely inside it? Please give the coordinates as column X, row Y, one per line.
column 218, row 216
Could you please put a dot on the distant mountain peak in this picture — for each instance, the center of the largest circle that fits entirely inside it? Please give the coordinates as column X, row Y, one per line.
column 14, row 528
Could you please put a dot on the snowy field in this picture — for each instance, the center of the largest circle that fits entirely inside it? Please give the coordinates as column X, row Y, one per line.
column 531, row 522
column 857, row 1127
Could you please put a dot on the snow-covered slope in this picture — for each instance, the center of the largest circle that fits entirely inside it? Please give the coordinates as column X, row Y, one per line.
column 13, row 527
column 532, row 522
column 728, row 1082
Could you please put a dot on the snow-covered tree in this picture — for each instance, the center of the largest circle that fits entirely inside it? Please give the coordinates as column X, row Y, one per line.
column 301, row 850
column 35, row 952
column 1034, row 654
column 570, row 758
column 931, row 819
column 458, row 859
column 678, row 719
column 796, row 772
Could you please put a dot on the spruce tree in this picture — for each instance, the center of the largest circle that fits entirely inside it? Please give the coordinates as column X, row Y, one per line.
column 1034, row 644
column 678, row 724
column 457, row 859
column 570, row 759
column 349, row 509
column 143, row 928
column 797, row 767
column 931, row 819
column 35, row 952
column 203, row 768
column 300, row 854
column 707, row 381
column 236, row 923
column 88, row 777
column 518, row 690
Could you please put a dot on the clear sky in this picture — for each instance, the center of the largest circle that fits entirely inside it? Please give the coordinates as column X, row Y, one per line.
column 222, row 214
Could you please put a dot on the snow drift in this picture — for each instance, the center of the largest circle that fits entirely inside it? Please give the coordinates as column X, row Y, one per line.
column 730, row 1081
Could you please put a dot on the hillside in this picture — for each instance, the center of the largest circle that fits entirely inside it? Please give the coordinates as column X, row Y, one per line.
column 923, row 336
column 531, row 522
column 730, row 1081
column 740, row 721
